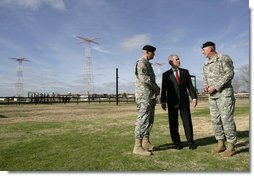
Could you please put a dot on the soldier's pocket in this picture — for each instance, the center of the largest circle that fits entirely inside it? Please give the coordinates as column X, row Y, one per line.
column 143, row 107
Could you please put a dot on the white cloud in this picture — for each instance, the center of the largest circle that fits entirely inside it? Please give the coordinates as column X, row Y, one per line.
column 135, row 42
column 36, row 4
column 101, row 50
column 31, row 4
column 232, row 1
column 57, row 4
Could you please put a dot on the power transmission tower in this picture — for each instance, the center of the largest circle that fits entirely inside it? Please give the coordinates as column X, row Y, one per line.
column 158, row 65
column 19, row 83
column 158, row 71
column 88, row 68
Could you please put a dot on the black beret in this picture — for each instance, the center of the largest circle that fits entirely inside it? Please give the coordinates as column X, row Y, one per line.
column 209, row 43
column 149, row 48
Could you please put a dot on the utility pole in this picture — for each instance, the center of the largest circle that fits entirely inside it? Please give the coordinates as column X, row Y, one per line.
column 117, row 86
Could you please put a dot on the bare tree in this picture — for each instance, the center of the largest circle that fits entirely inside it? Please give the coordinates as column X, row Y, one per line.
column 244, row 77
column 236, row 83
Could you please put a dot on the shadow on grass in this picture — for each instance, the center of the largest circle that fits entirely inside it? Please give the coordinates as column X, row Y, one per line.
column 2, row 116
column 240, row 147
column 243, row 146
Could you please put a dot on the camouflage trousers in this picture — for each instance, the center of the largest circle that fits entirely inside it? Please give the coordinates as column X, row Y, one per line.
column 221, row 111
column 145, row 118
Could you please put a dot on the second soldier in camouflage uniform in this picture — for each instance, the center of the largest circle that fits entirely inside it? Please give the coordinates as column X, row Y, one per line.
column 218, row 75
column 146, row 91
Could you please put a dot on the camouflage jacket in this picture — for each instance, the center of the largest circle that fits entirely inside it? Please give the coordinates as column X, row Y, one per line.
column 145, row 85
column 218, row 73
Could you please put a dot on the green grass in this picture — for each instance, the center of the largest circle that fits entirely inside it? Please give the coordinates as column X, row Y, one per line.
column 238, row 111
column 101, row 138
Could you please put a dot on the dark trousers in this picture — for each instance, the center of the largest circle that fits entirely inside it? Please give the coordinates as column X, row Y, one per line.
column 174, row 125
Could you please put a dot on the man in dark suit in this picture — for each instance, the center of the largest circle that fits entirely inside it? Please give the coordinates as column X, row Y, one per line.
column 176, row 83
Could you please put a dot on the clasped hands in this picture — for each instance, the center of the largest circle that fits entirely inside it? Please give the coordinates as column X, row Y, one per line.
column 209, row 90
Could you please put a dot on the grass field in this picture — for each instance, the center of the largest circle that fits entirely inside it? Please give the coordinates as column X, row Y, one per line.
column 100, row 138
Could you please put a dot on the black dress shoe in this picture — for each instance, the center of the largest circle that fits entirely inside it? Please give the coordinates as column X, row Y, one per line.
column 178, row 147
column 192, row 146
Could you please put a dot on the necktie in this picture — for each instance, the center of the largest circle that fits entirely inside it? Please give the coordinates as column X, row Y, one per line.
column 177, row 77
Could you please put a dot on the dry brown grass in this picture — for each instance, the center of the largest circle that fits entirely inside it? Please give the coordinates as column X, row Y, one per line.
column 110, row 112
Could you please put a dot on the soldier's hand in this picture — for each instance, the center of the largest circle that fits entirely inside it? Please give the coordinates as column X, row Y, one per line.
column 206, row 88
column 164, row 106
column 211, row 90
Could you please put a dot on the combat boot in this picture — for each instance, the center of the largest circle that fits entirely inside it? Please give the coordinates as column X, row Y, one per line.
column 220, row 147
column 139, row 150
column 230, row 150
column 146, row 144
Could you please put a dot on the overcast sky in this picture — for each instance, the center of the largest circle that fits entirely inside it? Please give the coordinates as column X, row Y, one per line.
column 44, row 31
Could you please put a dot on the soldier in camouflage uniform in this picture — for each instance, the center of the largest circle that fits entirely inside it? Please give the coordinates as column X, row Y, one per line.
column 218, row 74
column 146, row 92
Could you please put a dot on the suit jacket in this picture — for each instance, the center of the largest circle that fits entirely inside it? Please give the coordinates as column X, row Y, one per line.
column 177, row 95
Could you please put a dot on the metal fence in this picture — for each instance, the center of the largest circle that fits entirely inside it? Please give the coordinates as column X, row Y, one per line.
column 77, row 100
column 63, row 100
